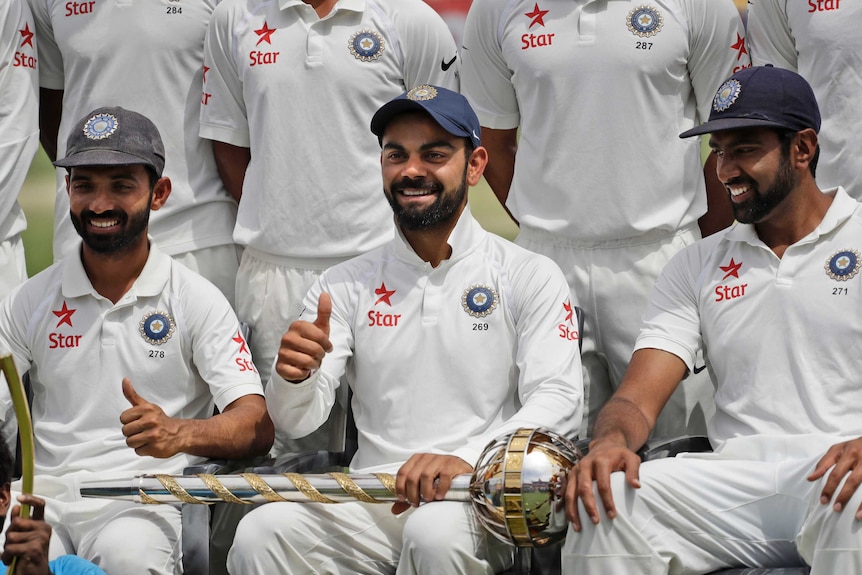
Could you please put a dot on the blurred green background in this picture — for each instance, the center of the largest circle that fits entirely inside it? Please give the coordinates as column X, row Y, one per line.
column 37, row 199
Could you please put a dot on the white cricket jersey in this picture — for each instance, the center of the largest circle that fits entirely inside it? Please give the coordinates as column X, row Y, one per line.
column 601, row 91
column 820, row 40
column 172, row 334
column 778, row 333
column 19, row 110
column 300, row 91
column 441, row 360
column 146, row 56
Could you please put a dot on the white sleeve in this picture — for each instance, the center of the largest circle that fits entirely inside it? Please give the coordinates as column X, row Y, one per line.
column 19, row 102
column 486, row 79
column 427, row 46
column 223, row 114
column 718, row 48
column 550, row 385
column 672, row 319
column 51, row 74
column 14, row 323
column 771, row 40
column 298, row 409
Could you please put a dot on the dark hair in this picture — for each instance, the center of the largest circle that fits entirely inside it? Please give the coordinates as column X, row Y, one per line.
column 7, row 462
column 154, row 177
column 785, row 139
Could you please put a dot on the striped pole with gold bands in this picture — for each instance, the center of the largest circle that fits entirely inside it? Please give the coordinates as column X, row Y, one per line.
column 249, row 488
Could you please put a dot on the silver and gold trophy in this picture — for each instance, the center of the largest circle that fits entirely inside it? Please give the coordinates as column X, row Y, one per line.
column 516, row 489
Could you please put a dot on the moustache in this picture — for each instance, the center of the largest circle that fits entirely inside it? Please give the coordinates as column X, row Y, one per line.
column 119, row 215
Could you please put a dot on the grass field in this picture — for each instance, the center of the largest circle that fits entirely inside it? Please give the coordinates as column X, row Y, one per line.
column 37, row 199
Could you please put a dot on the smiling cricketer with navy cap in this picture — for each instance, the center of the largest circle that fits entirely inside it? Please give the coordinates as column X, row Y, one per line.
column 448, row 336
column 129, row 353
column 768, row 301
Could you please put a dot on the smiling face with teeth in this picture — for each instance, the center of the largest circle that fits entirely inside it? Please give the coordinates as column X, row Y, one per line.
column 755, row 166
column 425, row 172
column 110, row 206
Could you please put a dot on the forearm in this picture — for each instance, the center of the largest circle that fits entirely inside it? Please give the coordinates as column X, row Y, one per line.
column 243, row 430
column 50, row 113
column 502, row 145
column 621, row 422
column 232, row 162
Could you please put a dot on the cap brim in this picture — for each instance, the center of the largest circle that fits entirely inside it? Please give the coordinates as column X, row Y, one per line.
column 730, row 124
column 102, row 158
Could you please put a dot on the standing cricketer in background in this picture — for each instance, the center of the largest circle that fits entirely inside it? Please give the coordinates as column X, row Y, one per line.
column 821, row 41
column 128, row 353
column 449, row 337
column 145, row 56
column 599, row 180
column 770, row 300
column 288, row 89
column 19, row 133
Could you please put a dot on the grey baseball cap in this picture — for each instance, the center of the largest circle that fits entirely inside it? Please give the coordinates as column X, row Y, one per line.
column 114, row 137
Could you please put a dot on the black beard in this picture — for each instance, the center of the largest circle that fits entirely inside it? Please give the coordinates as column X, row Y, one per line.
column 131, row 228
column 444, row 208
column 757, row 208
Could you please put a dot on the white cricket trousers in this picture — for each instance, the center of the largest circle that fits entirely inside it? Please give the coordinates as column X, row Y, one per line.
column 355, row 538
column 697, row 515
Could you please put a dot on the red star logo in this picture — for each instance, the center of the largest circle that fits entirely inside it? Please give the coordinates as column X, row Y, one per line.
column 731, row 269
column 243, row 348
column 537, row 16
column 264, row 34
column 206, row 69
column 384, row 294
column 65, row 315
column 27, row 34
column 567, row 305
column 739, row 46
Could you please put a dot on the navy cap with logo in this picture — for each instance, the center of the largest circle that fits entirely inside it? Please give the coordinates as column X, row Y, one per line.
column 114, row 137
column 762, row 96
column 449, row 109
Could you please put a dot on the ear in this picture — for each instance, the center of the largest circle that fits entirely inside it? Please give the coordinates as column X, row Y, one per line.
column 161, row 191
column 805, row 148
column 476, row 165
column 5, row 498
column 68, row 192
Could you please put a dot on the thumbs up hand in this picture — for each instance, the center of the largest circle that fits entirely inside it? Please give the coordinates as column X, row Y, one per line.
column 305, row 343
column 146, row 427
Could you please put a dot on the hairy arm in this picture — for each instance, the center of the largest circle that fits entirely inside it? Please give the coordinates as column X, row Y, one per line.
column 231, row 162
column 502, row 145
column 50, row 114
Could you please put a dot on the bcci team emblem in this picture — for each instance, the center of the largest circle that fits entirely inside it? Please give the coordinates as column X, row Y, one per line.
column 100, row 126
column 479, row 300
column 366, row 45
column 644, row 21
column 157, row 327
column 843, row 265
column 726, row 95
column 422, row 93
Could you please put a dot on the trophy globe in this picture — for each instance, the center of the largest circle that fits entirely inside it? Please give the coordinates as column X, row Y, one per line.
column 517, row 487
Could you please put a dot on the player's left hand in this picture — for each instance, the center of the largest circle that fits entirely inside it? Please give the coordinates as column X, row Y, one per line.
column 28, row 539
column 846, row 458
column 147, row 429
column 426, row 477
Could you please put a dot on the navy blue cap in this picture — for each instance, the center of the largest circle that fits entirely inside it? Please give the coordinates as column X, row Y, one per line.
column 762, row 96
column 114, row 137
column 449, row 109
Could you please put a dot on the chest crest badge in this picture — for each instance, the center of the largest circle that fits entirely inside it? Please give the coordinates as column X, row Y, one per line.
column 479, row 300
column 157, row 327
column 366, row 45
column 644, row 21
column 843, row 265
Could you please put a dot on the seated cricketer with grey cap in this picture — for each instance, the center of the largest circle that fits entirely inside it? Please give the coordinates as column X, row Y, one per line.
column 771, row 301
column 448, row 336
column 128, row 353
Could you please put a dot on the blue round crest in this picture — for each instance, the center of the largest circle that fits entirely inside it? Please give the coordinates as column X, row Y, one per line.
column 645, row 21
column 479, row 300
column 366, row 45
column 726, row 95
column 100, row 126
column 843, row 265
column 157, row 327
